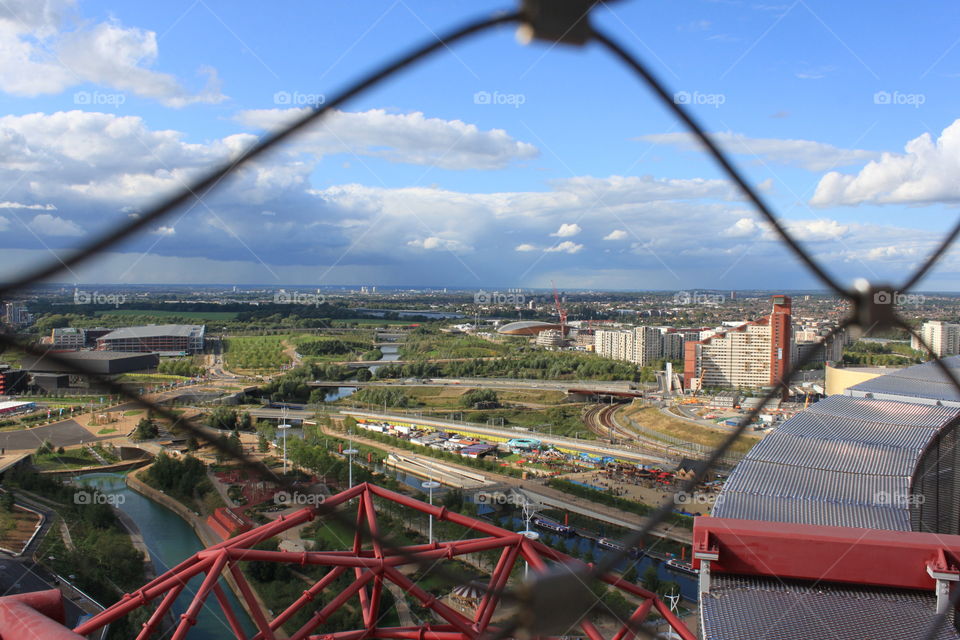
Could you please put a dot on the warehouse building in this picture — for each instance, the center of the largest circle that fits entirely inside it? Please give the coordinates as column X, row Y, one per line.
column 165, row 339
column 97, row 362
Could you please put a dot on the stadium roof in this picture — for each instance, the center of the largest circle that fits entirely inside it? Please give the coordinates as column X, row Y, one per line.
column 154, row 331
column 843, row 462
column 924, row 383
column 526, row 327
column 847, row 461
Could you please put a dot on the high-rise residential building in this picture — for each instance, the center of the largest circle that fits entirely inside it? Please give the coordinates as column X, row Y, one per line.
column 943, row 338
column 640, row 345
column 672, row 345
column 752, row 355
column 647, row 345
column 614, row 343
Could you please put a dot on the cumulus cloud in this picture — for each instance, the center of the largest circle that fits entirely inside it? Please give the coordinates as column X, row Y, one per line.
column 806, row 154
column 567, row 246
column 411, row 138
column 616, row 234
column 165, row 231
column 567, row 230
column 925, row 173
column 50, row 225
column 525, row 247
column 41, row 56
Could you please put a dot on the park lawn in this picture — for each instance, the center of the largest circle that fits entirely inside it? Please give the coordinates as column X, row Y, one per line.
column 133, row 412
column 69, row 459
column 106, row 431
column 654, row 419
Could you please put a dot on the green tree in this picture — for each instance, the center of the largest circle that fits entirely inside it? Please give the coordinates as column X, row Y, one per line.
column 7, row 500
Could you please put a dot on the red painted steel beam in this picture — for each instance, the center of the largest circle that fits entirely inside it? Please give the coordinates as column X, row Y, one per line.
column 896, row 559
column 228, row 612
column 253, row 605
column 307, row 596
column 151, row 625
column 189, row 618
column 338, row 601
column 20, row 621
column 450, row 615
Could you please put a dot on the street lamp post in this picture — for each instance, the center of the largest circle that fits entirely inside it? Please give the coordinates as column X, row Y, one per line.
column 283, row 429
column 430, row 485
column 350, row 453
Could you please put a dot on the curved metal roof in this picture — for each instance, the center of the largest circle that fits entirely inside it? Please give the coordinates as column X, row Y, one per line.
column 844, row 462
column 847, row 461
column 526, row 327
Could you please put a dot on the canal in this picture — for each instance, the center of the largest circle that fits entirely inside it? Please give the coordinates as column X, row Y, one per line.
column 170, row 540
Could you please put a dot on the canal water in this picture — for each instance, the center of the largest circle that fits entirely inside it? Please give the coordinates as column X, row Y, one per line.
column 170, row 540
column 390, row 353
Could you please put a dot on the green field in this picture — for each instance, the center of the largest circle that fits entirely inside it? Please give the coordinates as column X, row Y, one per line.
column 193, row 315
column 255, row 353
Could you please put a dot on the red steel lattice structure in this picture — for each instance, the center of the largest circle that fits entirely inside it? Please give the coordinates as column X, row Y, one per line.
column 371, row 567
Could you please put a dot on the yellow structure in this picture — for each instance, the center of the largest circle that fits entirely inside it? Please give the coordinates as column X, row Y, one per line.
column 839, row 379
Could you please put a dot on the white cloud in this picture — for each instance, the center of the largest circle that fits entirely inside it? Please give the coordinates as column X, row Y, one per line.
column 49, row 225
column 567, row 230
column 431, row 243
column 525, row 247
column 567, row 246
column 165, row 231
column 925, row 173
column 38, row 55
column 19, row 205
column 412, row 138
column 806, row 154
column 616, row 234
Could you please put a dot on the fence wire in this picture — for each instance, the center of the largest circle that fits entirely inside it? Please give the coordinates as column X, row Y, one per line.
column 563, row 21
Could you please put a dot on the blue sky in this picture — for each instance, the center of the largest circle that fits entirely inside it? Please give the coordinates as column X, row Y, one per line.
column 494, row 164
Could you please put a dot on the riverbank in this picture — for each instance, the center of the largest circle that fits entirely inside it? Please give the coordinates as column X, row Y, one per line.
column 206, row 535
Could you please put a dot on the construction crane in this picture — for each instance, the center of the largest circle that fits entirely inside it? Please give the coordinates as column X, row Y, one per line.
column 560, row 311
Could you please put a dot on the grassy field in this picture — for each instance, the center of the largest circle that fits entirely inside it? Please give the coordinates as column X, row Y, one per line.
column 69, row 459
column 255, row 354
column 192, row 315
column 449, row 397
column 448, row 345
column 652, row 418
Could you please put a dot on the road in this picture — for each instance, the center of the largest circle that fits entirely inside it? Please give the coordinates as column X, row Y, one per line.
column 547, row 494
column 488, row 383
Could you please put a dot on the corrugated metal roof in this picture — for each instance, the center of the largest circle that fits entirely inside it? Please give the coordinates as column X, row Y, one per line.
column 843, row 462
column 923, row 381
column 740, row 607
column 153, row 331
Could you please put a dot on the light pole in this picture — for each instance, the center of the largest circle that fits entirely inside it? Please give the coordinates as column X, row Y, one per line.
column 283, row 426
column 528, row 533
column 430, row 485
column 350, row 453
